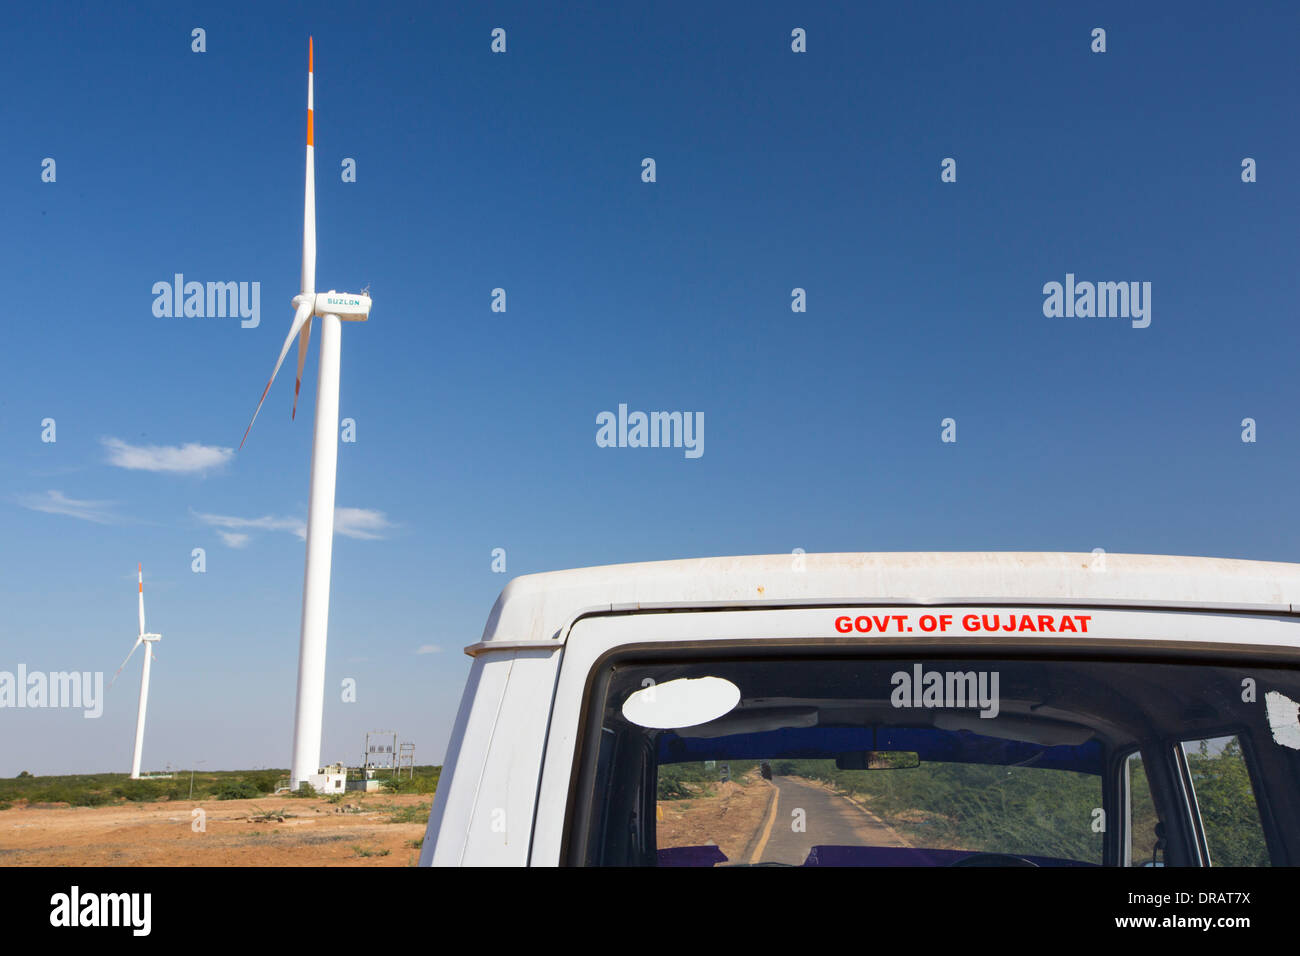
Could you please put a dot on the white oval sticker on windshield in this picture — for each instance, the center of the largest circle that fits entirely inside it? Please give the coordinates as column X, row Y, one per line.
column 685, row 702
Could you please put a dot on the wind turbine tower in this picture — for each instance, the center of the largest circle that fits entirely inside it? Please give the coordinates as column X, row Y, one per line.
column 332, row 308
column 148, row 640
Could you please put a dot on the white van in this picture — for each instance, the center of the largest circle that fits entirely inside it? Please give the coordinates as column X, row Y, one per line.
column 908, row 709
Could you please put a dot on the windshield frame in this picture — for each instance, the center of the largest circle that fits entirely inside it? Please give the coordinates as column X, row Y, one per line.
column 1184, row 829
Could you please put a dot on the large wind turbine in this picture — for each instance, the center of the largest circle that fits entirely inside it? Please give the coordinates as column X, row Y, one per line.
column 146, row 640
column 332, row 308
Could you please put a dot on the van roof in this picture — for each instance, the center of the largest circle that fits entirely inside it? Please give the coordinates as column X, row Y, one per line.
column 539, row 607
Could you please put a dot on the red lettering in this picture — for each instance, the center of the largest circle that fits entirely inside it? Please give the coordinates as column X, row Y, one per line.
column 843, row 625
column 971, row 622
column 1067, row 623
column 1083, row 620
column 863, row 624
column 1045, row 623
column 932, row 623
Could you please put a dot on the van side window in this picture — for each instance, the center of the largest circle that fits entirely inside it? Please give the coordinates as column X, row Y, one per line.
column 1229, row 813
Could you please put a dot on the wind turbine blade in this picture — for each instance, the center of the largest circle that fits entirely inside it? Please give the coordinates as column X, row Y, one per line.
column 140, row 570
column 309, row 193
column 304, row 337
column 138, row 642
column 301, row 316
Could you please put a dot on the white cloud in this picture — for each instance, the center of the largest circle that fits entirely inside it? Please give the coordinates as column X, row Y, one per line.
column 56, row 503
column 363, row 523
column 360, row 523
column 181, row 459
column 265, row 523
column 428, row 649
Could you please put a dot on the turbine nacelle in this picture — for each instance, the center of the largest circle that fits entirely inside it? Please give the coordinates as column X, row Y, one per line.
column 348, row 306
column 308, row 304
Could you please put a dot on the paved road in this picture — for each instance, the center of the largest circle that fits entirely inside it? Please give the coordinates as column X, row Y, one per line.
column 828, row 818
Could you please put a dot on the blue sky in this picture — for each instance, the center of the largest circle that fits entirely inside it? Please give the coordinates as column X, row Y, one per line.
column 476, row 430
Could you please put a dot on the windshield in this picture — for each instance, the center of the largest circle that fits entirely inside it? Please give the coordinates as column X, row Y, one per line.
column 936, row 762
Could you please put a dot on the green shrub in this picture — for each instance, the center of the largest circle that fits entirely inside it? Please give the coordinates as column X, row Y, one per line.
column 264, row 782
column 145, row 790
column 415, row 814
column 425, row 781
column 85, row 798
column 237, row 790
column 270, row 816
column 678, row 781
column 671, row 789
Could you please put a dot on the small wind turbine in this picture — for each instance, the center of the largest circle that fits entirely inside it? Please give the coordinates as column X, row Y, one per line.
column 332, row 308
column 147, row 640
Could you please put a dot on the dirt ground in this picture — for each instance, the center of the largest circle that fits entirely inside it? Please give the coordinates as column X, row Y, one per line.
column 731, row 819
column 312, row 832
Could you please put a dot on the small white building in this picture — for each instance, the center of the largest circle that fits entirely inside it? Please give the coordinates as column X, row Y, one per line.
column 331, row 779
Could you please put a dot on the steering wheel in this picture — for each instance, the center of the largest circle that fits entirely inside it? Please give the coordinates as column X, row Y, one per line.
column 993, row 859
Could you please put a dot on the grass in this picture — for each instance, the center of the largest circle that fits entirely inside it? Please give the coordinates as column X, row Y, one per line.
column 101, row 789
column 270, row 816
column 419, row 813
column 425, row 781
column 362, row 851
column 682, row 781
